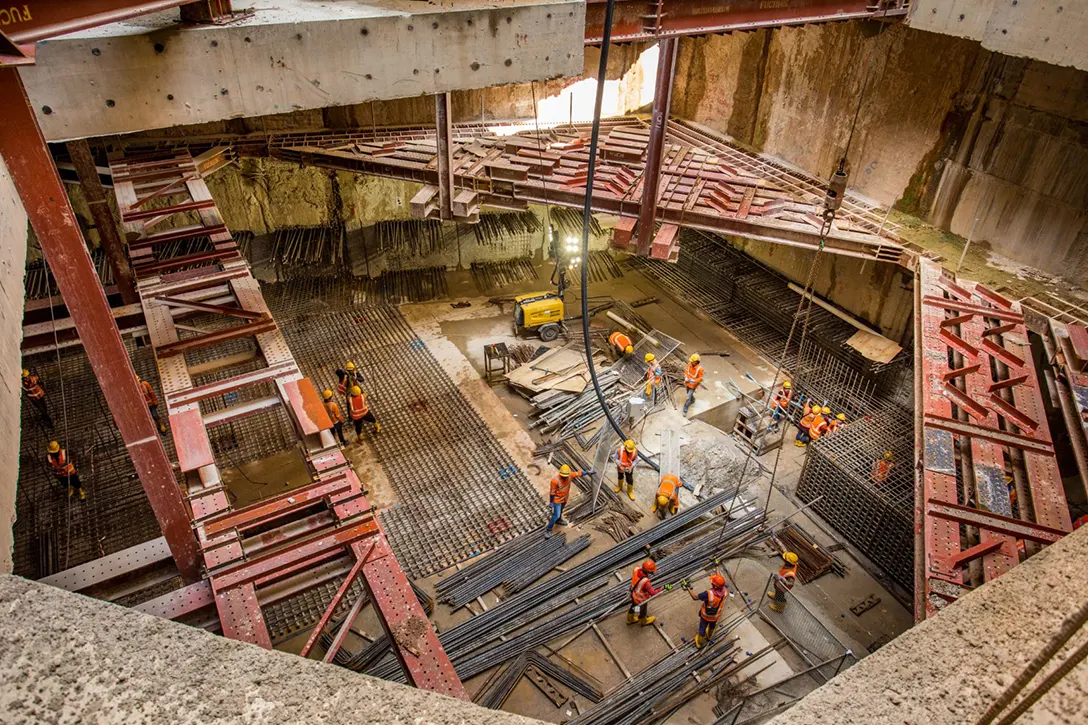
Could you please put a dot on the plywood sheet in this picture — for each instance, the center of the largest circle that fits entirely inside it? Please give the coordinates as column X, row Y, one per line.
column 874, row 347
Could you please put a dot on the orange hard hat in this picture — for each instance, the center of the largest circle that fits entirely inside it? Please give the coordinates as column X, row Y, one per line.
column 717, row 581
column 649, row 566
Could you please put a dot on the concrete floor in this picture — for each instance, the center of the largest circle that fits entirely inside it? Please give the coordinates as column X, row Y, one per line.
column 457, row 336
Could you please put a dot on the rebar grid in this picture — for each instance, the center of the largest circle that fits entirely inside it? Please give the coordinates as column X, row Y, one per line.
column 490, row 276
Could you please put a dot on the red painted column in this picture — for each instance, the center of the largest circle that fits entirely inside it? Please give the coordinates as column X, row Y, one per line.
column 27, row 156
column 666, row 67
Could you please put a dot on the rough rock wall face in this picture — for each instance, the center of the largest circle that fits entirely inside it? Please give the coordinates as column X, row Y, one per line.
column 12, row 263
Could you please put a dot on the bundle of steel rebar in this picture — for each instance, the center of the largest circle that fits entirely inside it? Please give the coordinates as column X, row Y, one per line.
column 569, row 222
column 813, row 561
column 489, row 276
column 602, row 267
column 497, row 227
column 565, row 415
column 508, row 561
column 409, row 237
column 499, row 686
column 544, row 564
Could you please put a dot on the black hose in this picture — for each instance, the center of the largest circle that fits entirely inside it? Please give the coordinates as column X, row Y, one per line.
column 587, row 214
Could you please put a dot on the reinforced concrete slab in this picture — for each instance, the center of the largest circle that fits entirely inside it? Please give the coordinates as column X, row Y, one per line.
column 291, row 55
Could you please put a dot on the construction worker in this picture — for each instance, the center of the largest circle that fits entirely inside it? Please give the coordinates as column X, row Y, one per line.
column 818, row 426
column 348, row 378
column 693, row 378
column 64, row 469
column 882, row 467
column 653, row 377
column 32, row 386
column 641, row 591
column 626, row 458
column 806, row 421
column 835, row 423
column 711, row 610
column 620, row 344
column 152, row 402
column 667, row 498
column 780, row 403
column 360, row 411
column 335, row 416
column 783, row 581
column 560, row 494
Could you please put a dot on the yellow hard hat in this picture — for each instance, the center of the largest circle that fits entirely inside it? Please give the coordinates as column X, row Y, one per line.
column 326, row 393
column 694, row 357
column 841, row 416
column 790, row 557
column 26, row 373
column 662, row 500
column 138, row 378
column 349, row 366
column 629, row 445
column 53, row 447
column 564, row 470
column 649, row 357
column 628, row 350
column 888, row 455
column 787, row 385
column 356, row 390
column 826, row 410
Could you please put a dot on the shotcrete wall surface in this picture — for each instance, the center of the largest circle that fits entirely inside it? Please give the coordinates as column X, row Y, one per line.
column 949, row 669
column 69, row 658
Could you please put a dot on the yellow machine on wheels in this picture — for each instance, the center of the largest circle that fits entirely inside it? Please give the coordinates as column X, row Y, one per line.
column 539, row 312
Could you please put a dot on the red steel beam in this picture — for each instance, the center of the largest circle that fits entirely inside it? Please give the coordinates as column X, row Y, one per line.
column 31, row 166
column 651, row 179
column 28, row 22
column 336, row 599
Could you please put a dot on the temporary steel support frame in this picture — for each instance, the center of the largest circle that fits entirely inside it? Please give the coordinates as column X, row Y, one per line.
column 444, row 155
column 659, row 121
column 23, row 148
column 977, row 381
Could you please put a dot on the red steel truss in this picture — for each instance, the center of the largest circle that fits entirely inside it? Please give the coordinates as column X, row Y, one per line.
column 986, row 460
column 291, row 537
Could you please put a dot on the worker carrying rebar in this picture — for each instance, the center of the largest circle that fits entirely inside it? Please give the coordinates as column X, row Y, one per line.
column 32, row 386
column 693, row 378
column 780, row 403
column 64, row 469
column 335, row 415
column 711, row 611
column 653, row 377
column 620, row 344
column 818, row 427
column 783, row 581
column 641, row 591
column 668, row 495
column 835, row 423
column 626, row 458
column 560, row 494
column 347, row 378
column 360, row 411
column 152, row 402
column 882, row 467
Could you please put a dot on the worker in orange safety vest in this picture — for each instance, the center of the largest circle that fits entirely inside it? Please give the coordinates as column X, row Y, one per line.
column 835, row 423
column 693, row 378
column 620, row 344
column 653, row 377
column 641, row 591
column 668, row 498
column 882, row 467
column 783, row 581
column 781, row 401
column 711, row 610
column 803, row 425
column 559, row 494
column 819, row 423
column 64, row 469
column 347, row 378
column 335, row 415
column 359, row 410
column 152, row 402
column 626, row 458
column 32, row 386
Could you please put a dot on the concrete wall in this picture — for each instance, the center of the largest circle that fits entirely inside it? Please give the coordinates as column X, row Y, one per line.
column 13, row 235
column 1016, row 126
column 66, row 658
column 949, row 669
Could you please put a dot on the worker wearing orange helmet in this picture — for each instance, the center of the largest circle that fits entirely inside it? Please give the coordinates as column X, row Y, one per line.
column 626, row 458
column 152, row 402
column 668, row 495
column 620, row 344
column 693, row 378
column 359, row 411
column 641, row 591
column 35, row 393
column 335, row 415
column 711, row 611
column 784, row 581
column 653, row 377
column 559, row 494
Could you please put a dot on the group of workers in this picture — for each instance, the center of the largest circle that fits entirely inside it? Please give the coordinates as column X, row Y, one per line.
column 620, row 344
column 349, row 383
column 816, row 420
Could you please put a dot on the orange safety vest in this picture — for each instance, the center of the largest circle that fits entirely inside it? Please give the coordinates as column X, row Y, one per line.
column 693, row 375
column 881, row 469
column 621, row 341
column 817, row 427
column 33, row 387
column 782, row 398
column 712, row 607
column 833, row 425
column 60, row 463
column 787, row 575
column 343, row 384
column 357, row 406
column 806, row 421
column 334, row 411
column 642, row 589
column 626, row 461
column 560, row 490
column 653, row 373
column 149, row 393
column 670, row 484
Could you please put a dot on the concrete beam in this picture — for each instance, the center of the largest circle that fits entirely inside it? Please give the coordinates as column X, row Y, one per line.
column 292, row 55
column 1052, row 31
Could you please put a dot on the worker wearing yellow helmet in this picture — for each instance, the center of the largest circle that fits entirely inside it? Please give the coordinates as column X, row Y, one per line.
column 783, row 581
column 359, row 411
column 347, row 377
column 882, row 467
column 335, row 415
column 626, row 458
column 835, row 423
column 35, row 393
column 64, row 470
column 818, row 427
column 653, row 377
column 559, row 494
column 668, row 495
column 693, row 378
column 620, row 344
